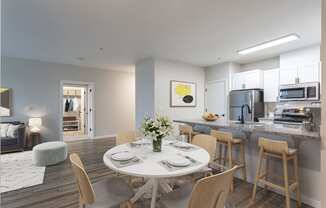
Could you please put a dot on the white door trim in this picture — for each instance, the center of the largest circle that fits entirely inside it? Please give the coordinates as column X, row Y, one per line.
column 225, row 81
column 91, row 119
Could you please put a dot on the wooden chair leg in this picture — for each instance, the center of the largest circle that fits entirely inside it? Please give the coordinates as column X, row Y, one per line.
column 286, row 181
column 296, row 178
column 225, row 155
column 266, row 171
column 260, row 158
column 243, row 162
column 220, row 154
column 130, row 180
column 127, row 204
column 230, row 161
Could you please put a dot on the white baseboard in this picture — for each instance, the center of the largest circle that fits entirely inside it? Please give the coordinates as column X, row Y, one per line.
column 305, row 199
column 104, row 136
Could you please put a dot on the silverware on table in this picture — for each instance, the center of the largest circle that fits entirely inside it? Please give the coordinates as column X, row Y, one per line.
column 187, row 157
column 190, row 159
column 129, row 161
column 118, row 152
column 166, row 164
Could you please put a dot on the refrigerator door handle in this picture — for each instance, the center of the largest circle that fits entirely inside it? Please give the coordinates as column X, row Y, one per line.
column 251, row 105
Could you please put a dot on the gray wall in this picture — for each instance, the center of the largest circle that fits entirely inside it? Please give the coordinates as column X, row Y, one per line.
column 271, row 63
column 144, row 90
column 36, row 84
column 153, row 78
column 167, row 70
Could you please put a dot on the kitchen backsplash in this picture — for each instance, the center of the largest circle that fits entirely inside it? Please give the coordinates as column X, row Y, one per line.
column 269, row 107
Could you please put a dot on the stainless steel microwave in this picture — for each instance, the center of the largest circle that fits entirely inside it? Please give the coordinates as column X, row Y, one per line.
column 300, row 92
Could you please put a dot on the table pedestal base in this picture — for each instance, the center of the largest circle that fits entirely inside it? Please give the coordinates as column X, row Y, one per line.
column 152, row 186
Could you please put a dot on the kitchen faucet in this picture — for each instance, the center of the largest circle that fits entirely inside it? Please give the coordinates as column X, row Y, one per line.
column 249, row 111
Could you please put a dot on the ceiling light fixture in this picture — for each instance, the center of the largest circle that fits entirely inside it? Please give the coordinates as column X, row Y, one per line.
column 268, row 44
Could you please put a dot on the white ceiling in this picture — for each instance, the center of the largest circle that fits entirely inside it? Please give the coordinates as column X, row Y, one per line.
column 192, row 31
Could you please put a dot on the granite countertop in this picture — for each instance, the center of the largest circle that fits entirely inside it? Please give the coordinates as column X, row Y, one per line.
column 252, row 127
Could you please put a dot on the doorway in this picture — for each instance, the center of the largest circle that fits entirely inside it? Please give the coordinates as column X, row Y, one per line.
column 216, row 97
column 76, row 120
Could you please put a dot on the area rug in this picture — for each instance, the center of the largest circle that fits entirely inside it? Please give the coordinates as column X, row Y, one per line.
column 18, row 171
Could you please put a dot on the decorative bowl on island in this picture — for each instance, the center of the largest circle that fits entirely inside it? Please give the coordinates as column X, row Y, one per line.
column 209, row 116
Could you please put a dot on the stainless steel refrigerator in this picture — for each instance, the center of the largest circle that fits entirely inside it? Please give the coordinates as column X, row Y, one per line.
column 254, row 98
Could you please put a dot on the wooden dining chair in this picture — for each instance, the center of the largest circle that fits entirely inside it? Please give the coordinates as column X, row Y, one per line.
column 111, row 192
column 209, row 192
column 126, row 137
column 206, row 142
column 187, row 131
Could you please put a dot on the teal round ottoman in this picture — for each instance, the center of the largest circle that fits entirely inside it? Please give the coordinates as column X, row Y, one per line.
column 49, row 153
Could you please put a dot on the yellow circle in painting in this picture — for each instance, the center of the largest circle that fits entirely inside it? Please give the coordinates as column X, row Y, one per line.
column 182, row 90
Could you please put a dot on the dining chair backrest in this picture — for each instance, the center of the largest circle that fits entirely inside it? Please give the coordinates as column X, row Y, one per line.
column 222, row 136
column 185, row 129
column 207, row 142
column 86, row 192
column 126, row 137
column 273, row 146
column 212, row 191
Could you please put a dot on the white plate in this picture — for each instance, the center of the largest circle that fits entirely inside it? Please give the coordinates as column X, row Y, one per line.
column 179, row 162
column 121, row 156
column 182, row 145
column 138, row 142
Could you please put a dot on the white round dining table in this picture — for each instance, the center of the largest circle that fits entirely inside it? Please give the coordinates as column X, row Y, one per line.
column 150, row 166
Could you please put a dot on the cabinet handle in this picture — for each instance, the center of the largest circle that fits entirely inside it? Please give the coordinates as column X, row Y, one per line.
column 297, row 80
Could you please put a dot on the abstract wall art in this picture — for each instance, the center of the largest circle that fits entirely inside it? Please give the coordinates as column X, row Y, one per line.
column 183, row 94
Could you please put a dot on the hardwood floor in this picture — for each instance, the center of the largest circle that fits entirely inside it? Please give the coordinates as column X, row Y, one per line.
column 59, row 189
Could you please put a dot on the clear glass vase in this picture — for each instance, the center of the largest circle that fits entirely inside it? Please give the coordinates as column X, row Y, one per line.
column 157, row 144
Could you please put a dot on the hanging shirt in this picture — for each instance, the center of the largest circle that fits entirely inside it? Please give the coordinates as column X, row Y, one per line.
column 71, row 105
column 75, row 104
column 67, row 105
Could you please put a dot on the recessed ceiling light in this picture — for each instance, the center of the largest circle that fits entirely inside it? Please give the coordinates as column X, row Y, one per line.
column 268, row 44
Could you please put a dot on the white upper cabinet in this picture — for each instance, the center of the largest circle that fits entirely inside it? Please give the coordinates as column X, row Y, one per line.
column 300, row 74
column 247, row 80
column 271, row 85
column 309, row 72
column 237, row 82
column 288, row 75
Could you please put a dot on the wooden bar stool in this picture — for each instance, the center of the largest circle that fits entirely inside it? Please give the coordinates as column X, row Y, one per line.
column 227, row 139
column 280, row 150
column 187, row 131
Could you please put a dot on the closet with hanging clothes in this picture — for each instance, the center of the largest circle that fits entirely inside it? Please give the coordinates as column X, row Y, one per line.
column 73, row 111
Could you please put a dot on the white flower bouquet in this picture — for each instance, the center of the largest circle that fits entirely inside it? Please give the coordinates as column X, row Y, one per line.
column 157, row 128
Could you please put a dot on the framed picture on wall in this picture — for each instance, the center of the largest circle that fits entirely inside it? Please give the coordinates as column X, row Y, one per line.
column 5, row 102
column 183, row 94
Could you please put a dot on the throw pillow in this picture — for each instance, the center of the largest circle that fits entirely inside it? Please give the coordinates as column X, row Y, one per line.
column 3, row 130
column 12, row 131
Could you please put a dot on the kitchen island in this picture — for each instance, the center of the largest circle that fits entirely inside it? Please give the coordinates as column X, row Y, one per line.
column 254, row 127
column 306, row 142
